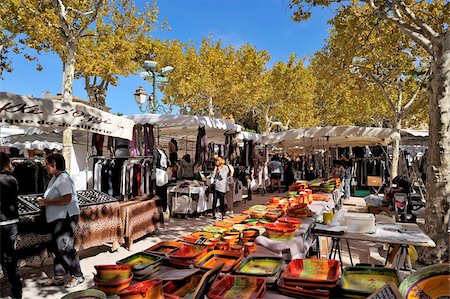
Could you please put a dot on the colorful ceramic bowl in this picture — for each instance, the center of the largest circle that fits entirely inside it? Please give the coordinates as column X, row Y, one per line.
column 280, row 231
column 232, row 233
column 428, row 282
column 89, row 293
column 149, row 289
column 112, row 287
column 108, row 272
column 232, row 240
column 294, row 221
column 257, row 214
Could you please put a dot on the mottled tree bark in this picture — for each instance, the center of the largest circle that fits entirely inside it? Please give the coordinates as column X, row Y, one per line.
column 438, row 172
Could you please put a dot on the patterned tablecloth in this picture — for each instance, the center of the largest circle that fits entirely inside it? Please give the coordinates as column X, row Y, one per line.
column 139, row 218
column 99, row 224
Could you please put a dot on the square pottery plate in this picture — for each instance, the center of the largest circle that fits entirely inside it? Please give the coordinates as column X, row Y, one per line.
column 217, row 257
column 187, row 251
column 142, row 261
column 242, row 287
column 196, row 286
column 312, row 270
column 163, row 248
column 260, row 266
column 366, row 280
column 295, row 291
column 177, row 274
column 183, row 288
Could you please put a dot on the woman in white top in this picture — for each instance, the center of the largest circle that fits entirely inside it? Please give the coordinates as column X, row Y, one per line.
column 220, row 180
column 61, row 209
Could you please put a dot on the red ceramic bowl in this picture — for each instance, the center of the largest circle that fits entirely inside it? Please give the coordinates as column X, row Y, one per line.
column 112, row 287
column 149, row 289
column 280, row 231
column 294, row 221
column 109, row 272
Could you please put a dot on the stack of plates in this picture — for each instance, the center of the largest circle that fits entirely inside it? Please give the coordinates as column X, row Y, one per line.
column 307, row 277
column 262, row 266
column 144, row 264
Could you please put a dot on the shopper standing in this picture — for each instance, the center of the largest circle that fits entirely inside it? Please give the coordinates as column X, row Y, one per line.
column 220, row 180
column 347, row 179
column 9, row 218
column 62, row 211
column 275, row 169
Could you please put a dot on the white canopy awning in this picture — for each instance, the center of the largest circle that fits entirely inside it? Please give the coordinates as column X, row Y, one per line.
column 186, row 126
column 342, row 136
column 414, row 137
column 50, row 115
column 31, row 145
column 255, row 137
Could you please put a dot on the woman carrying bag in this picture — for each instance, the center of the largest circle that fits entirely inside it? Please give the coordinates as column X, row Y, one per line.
column 62, row 211
column 219, row 179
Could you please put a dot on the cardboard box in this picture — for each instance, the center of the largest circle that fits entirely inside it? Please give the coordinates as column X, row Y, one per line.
column 374, row 181
column 378, row 210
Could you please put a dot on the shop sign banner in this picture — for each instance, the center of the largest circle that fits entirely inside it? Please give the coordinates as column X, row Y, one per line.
column 49, row 114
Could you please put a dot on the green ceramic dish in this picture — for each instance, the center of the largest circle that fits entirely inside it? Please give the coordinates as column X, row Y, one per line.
column 363, row 281
column 260, row 266
column 141, row 261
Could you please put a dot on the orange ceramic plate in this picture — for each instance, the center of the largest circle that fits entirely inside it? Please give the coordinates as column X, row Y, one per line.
column 216, row 257
column 164, row 247
column 188, row 252
column 312, row 270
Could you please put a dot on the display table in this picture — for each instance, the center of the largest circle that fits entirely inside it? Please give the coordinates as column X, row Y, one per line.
column 139, row 217
column 98, row 224
column 402, row 234
column 297, row 247
column 196, row 192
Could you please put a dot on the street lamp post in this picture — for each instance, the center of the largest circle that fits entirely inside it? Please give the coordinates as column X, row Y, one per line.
column 151, row 72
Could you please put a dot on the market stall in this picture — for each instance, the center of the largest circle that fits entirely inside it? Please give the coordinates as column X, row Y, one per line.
column 209, row 135
column 39, row 123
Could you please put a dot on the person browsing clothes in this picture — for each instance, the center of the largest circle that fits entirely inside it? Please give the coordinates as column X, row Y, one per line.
column 9, row 218
column 62, row 211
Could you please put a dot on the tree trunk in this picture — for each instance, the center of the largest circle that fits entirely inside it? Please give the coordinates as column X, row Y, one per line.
column 210, row 107
column 69, row 66
column 438, row 172
column 395, row 151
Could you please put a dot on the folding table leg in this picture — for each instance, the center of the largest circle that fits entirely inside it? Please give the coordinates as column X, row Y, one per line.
column 349, row 253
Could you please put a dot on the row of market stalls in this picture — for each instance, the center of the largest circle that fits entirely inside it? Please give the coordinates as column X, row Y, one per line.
column 121, row 211
column 102, row 143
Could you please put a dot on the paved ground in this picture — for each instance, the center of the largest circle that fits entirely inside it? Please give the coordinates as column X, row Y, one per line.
column 175, row 229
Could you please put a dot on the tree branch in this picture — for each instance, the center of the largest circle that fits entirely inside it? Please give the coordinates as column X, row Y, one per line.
column 383, row 89
column 91, row 19
column 408, row 105
column 413, row 32
column 69, row 8
column 62, row 16
column 426, row 29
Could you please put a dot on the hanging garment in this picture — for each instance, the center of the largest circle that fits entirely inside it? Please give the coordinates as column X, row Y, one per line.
column 97, row 144
column 135, row 141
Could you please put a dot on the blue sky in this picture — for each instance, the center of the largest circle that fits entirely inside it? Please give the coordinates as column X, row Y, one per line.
column 265, row 24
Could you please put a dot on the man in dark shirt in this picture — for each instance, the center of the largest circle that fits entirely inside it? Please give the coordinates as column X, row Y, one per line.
column 9, row 217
